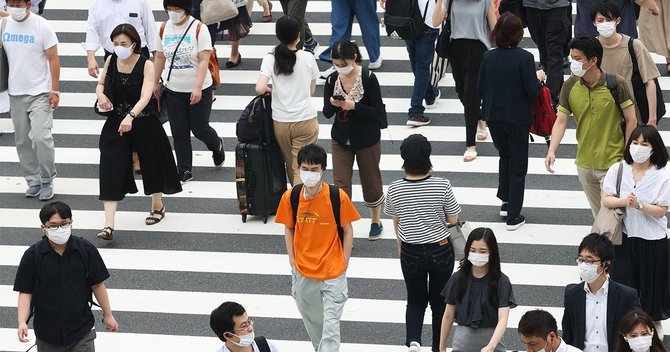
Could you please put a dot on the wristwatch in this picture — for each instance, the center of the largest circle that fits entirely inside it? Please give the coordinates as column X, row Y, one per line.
column 640, row 205
column 56, row 93
column 132, row 114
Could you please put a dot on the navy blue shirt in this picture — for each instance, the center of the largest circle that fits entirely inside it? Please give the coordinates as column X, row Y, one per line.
column 584, row 26
column 60, row 290
column 508, row 85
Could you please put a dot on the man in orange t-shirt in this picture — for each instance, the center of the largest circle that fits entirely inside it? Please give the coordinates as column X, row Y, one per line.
column 318, row 257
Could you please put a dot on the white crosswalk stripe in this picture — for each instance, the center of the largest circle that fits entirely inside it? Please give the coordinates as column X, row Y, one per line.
column 167, row 278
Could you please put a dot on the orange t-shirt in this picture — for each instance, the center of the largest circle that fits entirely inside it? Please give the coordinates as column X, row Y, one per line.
column 316, row 244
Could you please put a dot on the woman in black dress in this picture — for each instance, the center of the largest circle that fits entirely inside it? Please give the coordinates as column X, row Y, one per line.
column 125, row 90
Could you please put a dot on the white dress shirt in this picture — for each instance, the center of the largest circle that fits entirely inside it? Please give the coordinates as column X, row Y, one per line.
column 273, row 348
column 105, row 15
column 595, row 339
column 564, row 347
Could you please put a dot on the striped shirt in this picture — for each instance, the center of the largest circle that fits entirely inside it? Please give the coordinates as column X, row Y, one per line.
column 422, row 206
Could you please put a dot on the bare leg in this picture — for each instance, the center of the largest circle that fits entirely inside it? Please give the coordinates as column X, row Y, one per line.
column 234, row 50
column 157, row 201
column 110, row 211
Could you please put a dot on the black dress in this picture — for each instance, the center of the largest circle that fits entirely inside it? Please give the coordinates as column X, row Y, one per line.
column 146, row 137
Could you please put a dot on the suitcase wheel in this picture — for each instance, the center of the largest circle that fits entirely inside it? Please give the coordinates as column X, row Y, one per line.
column 244, row 217
column 265, row 219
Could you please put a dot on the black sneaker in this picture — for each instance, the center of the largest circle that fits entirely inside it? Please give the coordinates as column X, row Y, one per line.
column 311, row 46
column 514, row 224
column 219, row 156
column 418, row 120
column 186, row 176
column 503, row 210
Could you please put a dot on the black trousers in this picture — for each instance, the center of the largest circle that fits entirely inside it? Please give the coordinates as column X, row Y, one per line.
column 465, row 57
column 511, row 141
column 550, row 29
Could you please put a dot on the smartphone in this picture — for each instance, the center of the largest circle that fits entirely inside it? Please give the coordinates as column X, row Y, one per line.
column 338, row 97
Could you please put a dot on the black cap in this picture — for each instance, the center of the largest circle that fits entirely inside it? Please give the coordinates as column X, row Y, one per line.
column 415, row 149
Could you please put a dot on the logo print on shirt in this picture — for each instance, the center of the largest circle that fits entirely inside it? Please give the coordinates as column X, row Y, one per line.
column 181, row 61
column 18, row 38
column 310, row 217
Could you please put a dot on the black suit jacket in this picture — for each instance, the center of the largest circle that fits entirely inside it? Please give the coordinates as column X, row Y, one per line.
column 621, row 299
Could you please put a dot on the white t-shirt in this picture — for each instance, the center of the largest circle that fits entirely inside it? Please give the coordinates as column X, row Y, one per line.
column 653, row 188
column 273, row 348
column 291, row 96
column 429, row 14
column 185, row 67
column 26, row 44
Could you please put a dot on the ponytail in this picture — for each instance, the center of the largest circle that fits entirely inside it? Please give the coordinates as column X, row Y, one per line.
column 287, row 31
column 285, row 59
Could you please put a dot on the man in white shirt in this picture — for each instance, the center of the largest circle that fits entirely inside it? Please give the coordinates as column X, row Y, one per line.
column 233, row 326
column 105, row 15
column 34, row 74
column 539, row 332
column 602, row 300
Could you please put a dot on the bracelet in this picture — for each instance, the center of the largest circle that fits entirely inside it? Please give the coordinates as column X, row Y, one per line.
column 132, row 114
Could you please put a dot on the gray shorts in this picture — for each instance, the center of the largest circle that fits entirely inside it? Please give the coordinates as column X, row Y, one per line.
column 86, row 344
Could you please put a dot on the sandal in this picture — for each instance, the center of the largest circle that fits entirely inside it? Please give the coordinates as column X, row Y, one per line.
column 482, row 132
column 268, row 18
column 470, row 155
column 106, row 234
column 153, row 220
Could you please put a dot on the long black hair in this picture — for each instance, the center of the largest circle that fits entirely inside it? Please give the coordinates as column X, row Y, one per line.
column 629, row 322
column 287, row 31
column 465, row 267
column 345, row 50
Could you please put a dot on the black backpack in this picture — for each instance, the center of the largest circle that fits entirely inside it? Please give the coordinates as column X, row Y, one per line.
column 365, row 78
column 640, row 91
column 334, row 201
column 403, row 19
column 255, row 123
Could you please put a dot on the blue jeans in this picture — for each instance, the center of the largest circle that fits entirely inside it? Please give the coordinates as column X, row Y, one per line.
column 421, row 52
column 342, row 18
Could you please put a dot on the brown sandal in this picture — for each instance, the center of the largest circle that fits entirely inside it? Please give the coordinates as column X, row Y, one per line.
column 268, row 18
column 153, row 220
column 106, row 234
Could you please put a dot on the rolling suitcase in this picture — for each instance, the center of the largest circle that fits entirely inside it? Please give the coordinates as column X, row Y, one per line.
column 260, row 177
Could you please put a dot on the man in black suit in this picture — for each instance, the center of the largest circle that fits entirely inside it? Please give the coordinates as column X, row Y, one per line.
column 603, row 301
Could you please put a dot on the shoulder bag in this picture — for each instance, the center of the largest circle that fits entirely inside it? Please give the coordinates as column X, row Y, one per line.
column 460, row 232
column 609, row 222
column 640, row 90
column 4, row 64
column 444, row 40
column 215, row 11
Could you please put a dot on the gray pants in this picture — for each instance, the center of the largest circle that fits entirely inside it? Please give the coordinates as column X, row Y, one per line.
column 33, row 119
column 86, row 344
column 467, row 339
column 320, row 303
column 297, row 9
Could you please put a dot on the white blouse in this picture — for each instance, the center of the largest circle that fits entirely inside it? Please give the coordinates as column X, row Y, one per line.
column 653, row 188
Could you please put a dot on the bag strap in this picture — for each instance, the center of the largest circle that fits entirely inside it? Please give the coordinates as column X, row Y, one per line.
column 612, row 85
column 425, row 10
column 162, row 30
column 334, row 201
column 449, row 9
column 619, row 175
column 2, row 30
column 633, row 56
column 262, row 344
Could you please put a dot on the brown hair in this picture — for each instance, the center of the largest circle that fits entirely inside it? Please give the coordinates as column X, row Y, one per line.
column 129, row 31
column 629, row 322
column 508, row 31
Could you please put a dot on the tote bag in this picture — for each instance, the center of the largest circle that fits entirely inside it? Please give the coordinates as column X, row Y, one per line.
column 215, row 11
column 609, row 222
column 459, row 236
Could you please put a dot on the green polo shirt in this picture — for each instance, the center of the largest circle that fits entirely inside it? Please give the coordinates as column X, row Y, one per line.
column 600, row 141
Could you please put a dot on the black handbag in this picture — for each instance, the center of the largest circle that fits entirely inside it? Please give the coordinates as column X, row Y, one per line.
column 444, row 40
column 640, row 91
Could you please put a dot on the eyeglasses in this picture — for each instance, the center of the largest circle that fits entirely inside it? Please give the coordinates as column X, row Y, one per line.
column 246, row 325
column 62, row 226
column 587, row 261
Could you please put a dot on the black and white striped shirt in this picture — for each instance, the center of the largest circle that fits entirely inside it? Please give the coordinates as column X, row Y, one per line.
column 422, row 206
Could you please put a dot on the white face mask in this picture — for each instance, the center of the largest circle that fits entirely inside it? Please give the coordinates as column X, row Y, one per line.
column 640, row 343
column 606, row 29
column 176, row 17
column 588, row 272
column 17, row 13
column 577, row 69
column 549, row 341
column 310, row 178
column 344, row 70
column 639, row 153
column 59, row 235
column 478, row 259
column 122, row 52
column 245, row 340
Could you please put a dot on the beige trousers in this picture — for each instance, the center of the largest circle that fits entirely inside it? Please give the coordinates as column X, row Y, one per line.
column 291, row 136
column 592, row 183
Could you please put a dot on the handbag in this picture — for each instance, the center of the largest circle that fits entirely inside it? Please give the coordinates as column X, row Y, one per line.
column 215, row 11
column 609, row 222
column 444, row 40
column 460, row 232
column 4, row 64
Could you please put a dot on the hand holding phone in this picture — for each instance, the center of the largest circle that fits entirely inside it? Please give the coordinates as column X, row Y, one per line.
column 338, row 97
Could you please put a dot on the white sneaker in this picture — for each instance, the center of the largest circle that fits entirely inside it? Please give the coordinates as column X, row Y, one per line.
column 433, row 104
column 328, row 72
column 659, row 329
column 376, row 64
column 414, row 347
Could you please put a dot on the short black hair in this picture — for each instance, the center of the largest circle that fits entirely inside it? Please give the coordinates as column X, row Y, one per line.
column 608, row 8
column 659, row 155
column 186, row 5
column 346, row 50
column 221, row 318
column 128, row 30
column 312, row 154
column 417, row 168
column 537, row 323
column 599, row 245
column 48, row 210
column 590, row 46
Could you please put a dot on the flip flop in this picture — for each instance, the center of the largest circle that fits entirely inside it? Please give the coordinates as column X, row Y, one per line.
column 482, row 132
column 106, row 234
column 153, row 220
column 469, row 155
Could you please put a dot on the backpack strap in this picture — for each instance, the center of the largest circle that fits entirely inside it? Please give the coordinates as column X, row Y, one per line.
column 365, row 76
column 334, row 201
column 197, row 30
column 162, row 30
column 262, row 344
column 633, row 56
column 78, row 243
column 612, row 85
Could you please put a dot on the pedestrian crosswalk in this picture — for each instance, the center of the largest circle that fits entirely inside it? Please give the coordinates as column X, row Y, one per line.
column 166, row 279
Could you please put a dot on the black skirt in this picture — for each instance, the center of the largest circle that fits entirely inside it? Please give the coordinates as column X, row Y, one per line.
column 237, row 27
column 644, row 265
